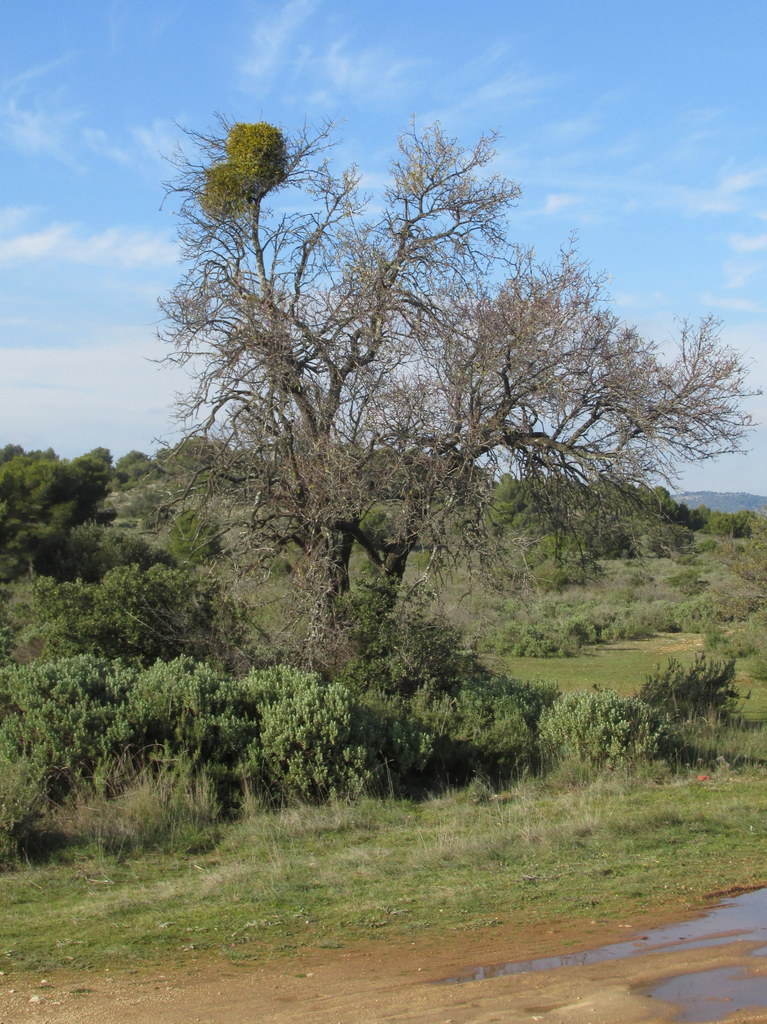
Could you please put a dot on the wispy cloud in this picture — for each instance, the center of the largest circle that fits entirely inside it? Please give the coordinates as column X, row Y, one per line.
column 738, row 273
column 491, row 85
column 730, row 302
column 329, row 69
column 37, row 120
column 724, row 197
column 558, row 201
column 748, row 243
column 97, row 140
column 114, row 247
column 12, row 217
column 371, row 72
column 145, row 147
column 273, row 39
column 156, row 140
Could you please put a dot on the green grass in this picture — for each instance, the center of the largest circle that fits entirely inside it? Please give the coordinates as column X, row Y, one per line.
column 621, row 666
column 332, row 875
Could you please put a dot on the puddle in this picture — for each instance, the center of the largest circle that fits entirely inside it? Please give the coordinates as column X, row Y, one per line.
column 703, row 995
column 711, row 995
column 742, row 917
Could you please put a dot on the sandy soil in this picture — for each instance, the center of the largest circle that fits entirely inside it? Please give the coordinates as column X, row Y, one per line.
column 384, row 982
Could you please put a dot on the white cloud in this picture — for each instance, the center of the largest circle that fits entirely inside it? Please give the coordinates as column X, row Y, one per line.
column 37, row 122
column 730, row 302
column 329, row 69
column 726, row 196
column 273, row 39
column 98, row 140
column 738, row 273
column 564, row 133
column 557, row 201
column 748, row 243
column 486, row 87
column 114, row 247
column 145, row 148
column 12, row 217
column 158, row 139
column 372, row 72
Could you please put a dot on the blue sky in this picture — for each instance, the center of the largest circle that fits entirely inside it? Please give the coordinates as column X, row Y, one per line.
column 642, row 127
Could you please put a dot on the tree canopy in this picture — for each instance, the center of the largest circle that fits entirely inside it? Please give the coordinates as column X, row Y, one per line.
column 42, row 498
column 363, row 369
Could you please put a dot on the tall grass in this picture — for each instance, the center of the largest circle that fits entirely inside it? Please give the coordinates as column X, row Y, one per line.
column 165, row 807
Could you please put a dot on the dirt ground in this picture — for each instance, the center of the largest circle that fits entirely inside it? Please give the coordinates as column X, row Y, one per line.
column 386, row 982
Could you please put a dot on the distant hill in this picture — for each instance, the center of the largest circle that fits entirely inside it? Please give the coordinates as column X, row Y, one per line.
column 723, row 502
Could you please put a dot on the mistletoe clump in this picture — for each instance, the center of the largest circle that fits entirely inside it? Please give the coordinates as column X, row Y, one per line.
column 257, row 162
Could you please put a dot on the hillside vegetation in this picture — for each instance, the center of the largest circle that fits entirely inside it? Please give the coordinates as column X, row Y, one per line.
column 152, row 706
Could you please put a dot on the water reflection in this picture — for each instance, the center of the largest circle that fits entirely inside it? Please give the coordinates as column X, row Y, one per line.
column 712, row 995
column 742, row 917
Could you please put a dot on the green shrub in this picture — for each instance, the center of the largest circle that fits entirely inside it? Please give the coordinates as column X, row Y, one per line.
column 399, row 647
column 188, row 710
column 139, row 615
column 310, row 737
column 399, row 743
column 702, row 690
column 488, row 728
column 639, row 621
column 688, row 581
column 7, row 644
column 705, row 545
column 555, row 638
column 76, row 716
column 91, row 550
column 67, row 716
column 602, row 729
column 289, row 733
column 736, row 643
column 193, row 540
column 22, row 799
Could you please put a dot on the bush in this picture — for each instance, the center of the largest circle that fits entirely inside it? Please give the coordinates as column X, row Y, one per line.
column 286, row 733
column 66, row 716
column 548, row 638
column 310, row 742
column 488, row 728
column 398, row 646
column 399, row 743
column 91, row 550
column 7, row 644
column 139, row 615
column 602, row 730
column 75, row 717
column 22, row 801
column 702, row 690
column 188, row 710
column 640, row 621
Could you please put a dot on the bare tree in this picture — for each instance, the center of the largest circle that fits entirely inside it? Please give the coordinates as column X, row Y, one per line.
column 363, row 370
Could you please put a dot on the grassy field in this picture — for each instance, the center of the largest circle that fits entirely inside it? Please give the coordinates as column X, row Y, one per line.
column 620, row 666
column 623, row 666
column 329, row 876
